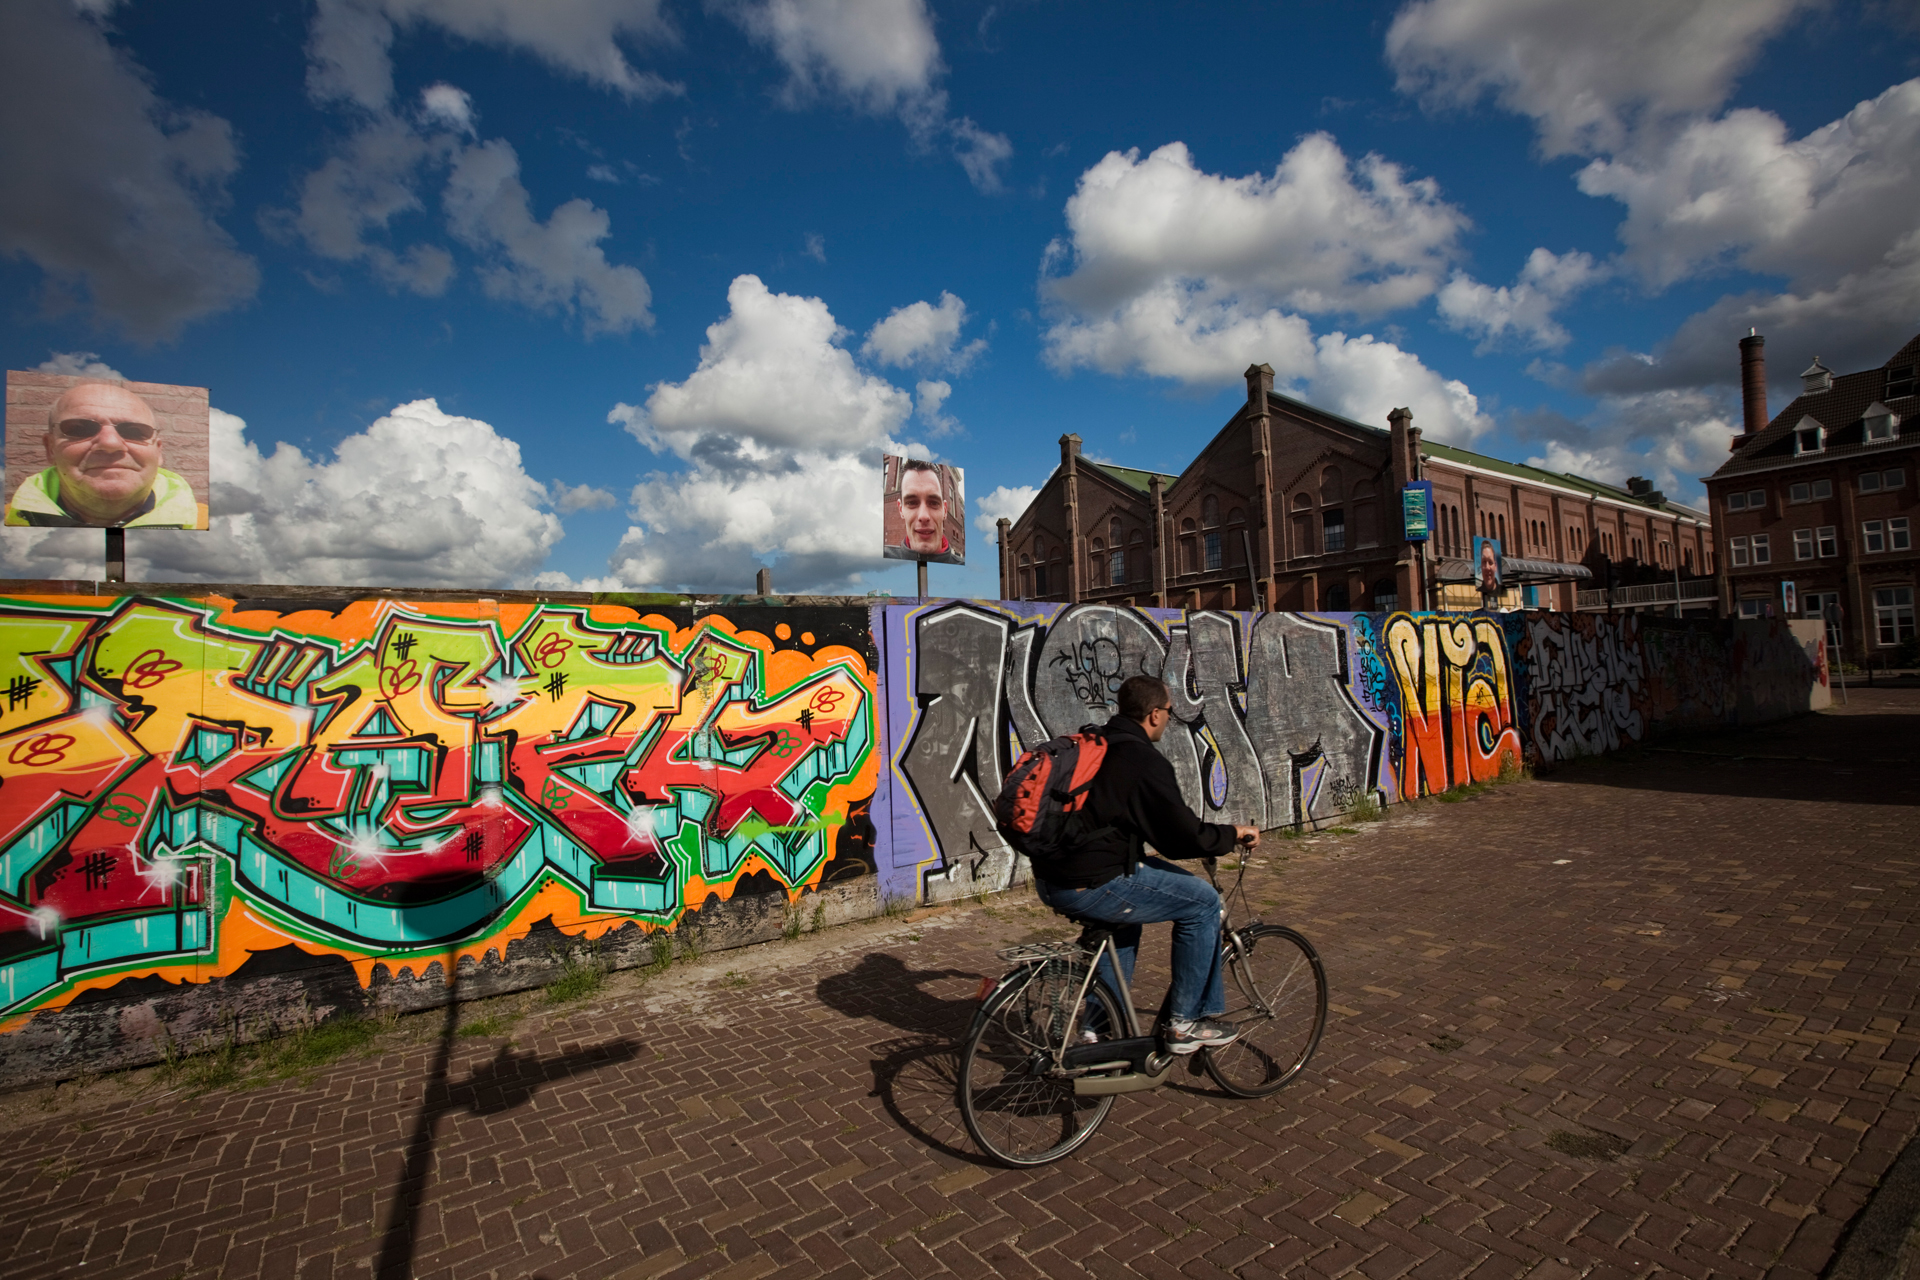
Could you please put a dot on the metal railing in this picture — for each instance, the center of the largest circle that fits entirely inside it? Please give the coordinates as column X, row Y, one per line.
column 1649, row 593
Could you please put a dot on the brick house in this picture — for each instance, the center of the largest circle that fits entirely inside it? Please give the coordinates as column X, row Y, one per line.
column 1292, row 507
column 1818, row 506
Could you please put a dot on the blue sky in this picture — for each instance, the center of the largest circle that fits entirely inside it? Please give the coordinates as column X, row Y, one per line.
column 634, row 292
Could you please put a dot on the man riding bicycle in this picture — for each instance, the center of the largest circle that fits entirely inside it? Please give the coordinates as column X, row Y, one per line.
column 1103, row 876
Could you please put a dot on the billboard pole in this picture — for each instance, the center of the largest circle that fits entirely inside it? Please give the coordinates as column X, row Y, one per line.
column 116, row 555
column 923, row 579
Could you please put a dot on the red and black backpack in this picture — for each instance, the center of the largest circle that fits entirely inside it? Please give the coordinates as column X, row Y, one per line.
column 1045, row 789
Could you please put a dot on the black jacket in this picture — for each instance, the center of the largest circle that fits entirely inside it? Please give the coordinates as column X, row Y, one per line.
column 1134, row 800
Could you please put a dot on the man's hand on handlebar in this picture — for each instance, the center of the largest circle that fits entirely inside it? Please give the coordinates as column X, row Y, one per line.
column 1248, row 836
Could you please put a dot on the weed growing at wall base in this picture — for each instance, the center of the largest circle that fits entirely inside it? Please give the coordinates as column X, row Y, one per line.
column 579, row 978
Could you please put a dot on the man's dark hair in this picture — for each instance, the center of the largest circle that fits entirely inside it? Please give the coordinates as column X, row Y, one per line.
column 916, row 464
column 1141, row 696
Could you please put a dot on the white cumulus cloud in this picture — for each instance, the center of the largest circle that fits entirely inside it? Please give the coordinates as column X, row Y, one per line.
column 420, row 498
column 1593, row 77
column 1178, row 273
column 1520, row 314
column 112, row 192
column 924, row 334
column 349, row 203
column 782, row 435
column 350, row 44
column 773, row 375
column 1738, row 191
column 80, row 364
column 1672, row 437
column 556, row 265
column 1365, row 379
column 880, row 56
column 1006, row 500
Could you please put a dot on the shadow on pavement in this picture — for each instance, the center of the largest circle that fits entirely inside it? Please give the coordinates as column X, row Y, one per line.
column 882, row 986
column 1852, row 759
column 511, row 1078
column 500, row 1085
column 917, row 1081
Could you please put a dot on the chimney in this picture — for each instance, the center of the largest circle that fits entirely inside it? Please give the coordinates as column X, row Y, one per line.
column 1402, row 459
column 1069, row 450
column 1259, row 385
column 1753, row 386
column 763, row 583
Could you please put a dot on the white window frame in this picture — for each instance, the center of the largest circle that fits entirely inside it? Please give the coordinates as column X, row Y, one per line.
column 1803, row 544
column 1737, row 548
column 1892, row 616
column 1828, row 537
column 1899, row 534
column 1762, row 549
column 1893, row 478
column 1800, row 446
column 1873, row 537
column 1756, row 607
column 1870, row 481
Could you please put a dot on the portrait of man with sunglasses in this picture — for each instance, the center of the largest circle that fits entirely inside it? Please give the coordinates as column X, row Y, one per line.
column 105, row 445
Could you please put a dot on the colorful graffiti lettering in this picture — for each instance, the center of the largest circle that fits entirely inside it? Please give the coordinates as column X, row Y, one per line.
column 183, row 779
column 1457, row 701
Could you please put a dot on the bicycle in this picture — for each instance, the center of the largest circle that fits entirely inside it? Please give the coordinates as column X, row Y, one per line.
column 1050, row 1047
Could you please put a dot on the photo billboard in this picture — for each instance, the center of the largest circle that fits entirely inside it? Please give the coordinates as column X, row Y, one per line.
column 924, row 511
column 104, row 453
column 1486, row 565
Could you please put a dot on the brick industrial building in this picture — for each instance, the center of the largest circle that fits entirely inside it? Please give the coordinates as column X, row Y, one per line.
column 1817, row 506
column 1293, row 507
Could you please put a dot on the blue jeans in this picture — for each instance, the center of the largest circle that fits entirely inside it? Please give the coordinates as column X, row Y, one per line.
column 1157, row 891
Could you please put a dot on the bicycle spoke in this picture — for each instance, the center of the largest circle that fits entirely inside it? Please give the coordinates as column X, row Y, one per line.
column 1278, row 999
column 1014, row 1108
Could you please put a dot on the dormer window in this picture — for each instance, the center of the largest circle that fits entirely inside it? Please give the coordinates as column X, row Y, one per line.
column 1809, row 437
column 1899, row 381
column 1881, row 423
column 1816, row 378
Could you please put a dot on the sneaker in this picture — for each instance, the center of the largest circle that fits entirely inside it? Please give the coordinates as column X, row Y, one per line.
column 1202, row 1033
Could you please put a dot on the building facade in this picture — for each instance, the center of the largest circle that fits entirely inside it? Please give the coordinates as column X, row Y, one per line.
column 1292, row 507
column 1817, row 506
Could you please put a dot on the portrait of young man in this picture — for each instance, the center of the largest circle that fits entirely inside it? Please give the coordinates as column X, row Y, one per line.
column 90, row 453
column 925, row 517
column 1487, row 565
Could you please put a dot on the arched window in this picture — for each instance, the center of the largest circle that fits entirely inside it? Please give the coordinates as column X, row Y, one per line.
column 1097, row 562
column 1113, row 531
column 1025, row 587
column 1137, row 557
column 1301, row 501
column 1330, row 485
column 1209, row 511
column 1386, row 596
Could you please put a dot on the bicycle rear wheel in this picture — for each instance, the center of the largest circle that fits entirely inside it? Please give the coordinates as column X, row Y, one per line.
column 1015, row 1105
column 1278, row 999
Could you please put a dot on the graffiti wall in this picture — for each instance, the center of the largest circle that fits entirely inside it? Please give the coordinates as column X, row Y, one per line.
column 331, row 801
column 1595, row 683
column 187, row 784
column 1279, row 718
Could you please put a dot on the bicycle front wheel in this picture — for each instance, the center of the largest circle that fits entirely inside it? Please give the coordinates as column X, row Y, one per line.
column 1014, row 1101
column 1278, row 999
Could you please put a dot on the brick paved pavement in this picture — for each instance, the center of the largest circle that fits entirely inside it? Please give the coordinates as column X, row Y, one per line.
column 1652, row 1014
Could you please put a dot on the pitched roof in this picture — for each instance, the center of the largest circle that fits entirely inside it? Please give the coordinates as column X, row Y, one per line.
column 1132, row 477
column 1839, row 411
column 1539, row 475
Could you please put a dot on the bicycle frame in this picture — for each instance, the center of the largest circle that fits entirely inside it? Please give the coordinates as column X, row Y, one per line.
column 1129, row 1064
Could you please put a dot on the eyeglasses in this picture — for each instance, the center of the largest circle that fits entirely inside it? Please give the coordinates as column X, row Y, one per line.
column 87, row 429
